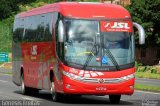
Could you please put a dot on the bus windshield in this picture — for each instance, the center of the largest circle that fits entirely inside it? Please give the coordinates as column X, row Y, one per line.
column 84, row 39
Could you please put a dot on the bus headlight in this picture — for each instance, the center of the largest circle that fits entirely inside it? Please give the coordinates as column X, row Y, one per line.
column 96, row 80
column 72, row 76
column 128, row 77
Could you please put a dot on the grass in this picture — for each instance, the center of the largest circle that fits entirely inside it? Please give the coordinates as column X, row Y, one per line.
column 147, row 75
column 147, row 87
column 7, row 73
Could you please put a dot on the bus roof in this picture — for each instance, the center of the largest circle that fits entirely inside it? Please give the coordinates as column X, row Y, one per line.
column 81, row 10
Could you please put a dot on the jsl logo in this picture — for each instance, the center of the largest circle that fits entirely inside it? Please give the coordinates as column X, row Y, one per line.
column 34, row 50
column 118, row 25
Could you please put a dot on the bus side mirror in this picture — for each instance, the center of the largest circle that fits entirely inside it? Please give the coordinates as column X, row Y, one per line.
column 61, row 31
column 141, row 33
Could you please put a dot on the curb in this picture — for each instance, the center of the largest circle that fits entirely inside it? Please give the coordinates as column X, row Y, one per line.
column 7, row 65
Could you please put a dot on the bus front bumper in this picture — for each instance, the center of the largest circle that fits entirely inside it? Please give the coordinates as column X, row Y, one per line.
column 71, row 86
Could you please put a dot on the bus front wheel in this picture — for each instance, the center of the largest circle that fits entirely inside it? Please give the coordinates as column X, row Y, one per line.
column 114, row 99
column 55, row 95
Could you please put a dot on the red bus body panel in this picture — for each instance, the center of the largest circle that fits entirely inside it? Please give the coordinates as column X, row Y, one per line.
column 78, row 10
column 79, row 87
column 37, row 67
column 88, row 88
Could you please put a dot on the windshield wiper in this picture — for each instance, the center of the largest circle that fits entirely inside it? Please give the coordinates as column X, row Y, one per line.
column 110, row 54
column 89, row 56
column 113, row 59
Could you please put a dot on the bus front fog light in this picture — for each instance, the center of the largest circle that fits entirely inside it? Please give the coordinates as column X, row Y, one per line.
column 131, row 87
column 68, row 85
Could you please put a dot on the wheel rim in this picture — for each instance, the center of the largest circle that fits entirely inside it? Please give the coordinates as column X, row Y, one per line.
column 53, row 90
column 22, row 87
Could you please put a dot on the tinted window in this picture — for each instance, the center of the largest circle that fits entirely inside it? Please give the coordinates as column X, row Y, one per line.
column 40, row 28
column 18, row 30
column 48, row 27
column 30, row 29
column 35, row 28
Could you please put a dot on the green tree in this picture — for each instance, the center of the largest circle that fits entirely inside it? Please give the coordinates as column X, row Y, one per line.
column 7, row 7
column 147, row 13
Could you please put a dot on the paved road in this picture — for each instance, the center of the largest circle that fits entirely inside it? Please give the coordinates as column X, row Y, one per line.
column 9, row 91
column 152, row 82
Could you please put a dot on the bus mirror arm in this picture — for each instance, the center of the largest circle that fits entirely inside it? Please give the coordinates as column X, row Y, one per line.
column 141, row 33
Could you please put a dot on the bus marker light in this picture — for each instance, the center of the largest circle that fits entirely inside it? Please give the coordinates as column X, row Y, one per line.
column 131, row 87
column 68, row 85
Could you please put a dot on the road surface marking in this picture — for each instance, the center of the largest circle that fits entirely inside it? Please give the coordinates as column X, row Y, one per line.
column 27, row 98
column 3, row 81
column 147, row 92
column 6, row 74
column 133, row 101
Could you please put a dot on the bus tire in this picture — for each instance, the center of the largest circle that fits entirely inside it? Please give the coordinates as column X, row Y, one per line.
column 27, row 90
column 55, row 95
column 114, row 99
column 24, row 89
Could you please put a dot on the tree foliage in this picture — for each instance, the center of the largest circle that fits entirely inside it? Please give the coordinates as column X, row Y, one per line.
column 144, row 12
column 147, row 13
column 9, row 7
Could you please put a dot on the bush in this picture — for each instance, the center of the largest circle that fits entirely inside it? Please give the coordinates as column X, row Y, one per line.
column 149, row 69
column 142, row 69
column 154, row 70
column 137, row 65
column 6, row 31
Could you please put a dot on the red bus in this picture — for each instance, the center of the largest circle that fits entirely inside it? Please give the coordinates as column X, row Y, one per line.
column 75, row 48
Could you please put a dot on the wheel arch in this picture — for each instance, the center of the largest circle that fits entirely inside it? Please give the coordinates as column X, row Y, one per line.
column 51, row 75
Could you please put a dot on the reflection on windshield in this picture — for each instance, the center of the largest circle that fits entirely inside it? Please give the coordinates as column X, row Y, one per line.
column 80, row 30
column 120, row 45
column 118, row 40
column 81, row 35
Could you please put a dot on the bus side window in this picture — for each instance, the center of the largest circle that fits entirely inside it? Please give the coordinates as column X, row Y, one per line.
column 27, row 29
column 40, row 29
column 18, row 30
column 33, row 28
column 48, row 27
